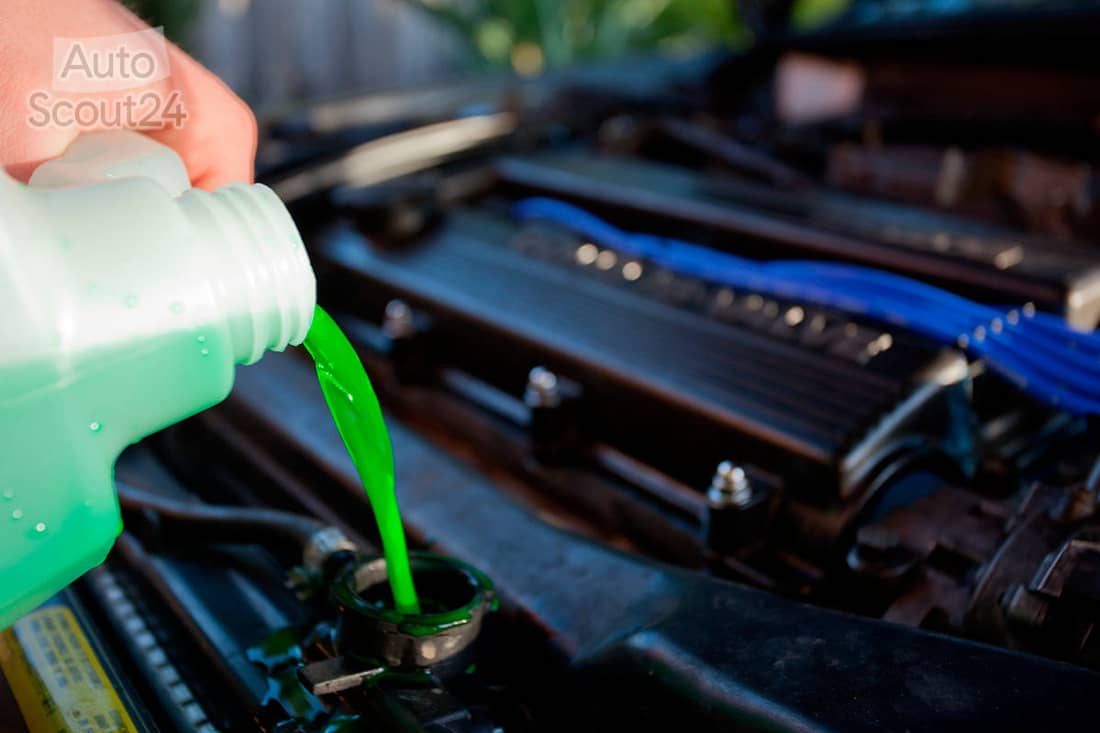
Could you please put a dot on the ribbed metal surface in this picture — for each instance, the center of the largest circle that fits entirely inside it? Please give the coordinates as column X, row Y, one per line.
column 495, row 302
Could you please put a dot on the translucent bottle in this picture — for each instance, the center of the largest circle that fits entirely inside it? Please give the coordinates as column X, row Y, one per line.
column 126, row 300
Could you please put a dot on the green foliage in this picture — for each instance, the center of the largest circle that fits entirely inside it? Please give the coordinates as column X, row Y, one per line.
column 528, row 34
column 808, row 14
column 173, row 15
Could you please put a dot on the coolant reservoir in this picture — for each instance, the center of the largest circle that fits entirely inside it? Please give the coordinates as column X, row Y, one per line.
column 126, row 299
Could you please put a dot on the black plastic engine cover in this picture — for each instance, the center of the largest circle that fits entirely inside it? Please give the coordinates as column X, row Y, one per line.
column 677, row 372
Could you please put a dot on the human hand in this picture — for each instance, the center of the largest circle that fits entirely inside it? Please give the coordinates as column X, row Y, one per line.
column 217, row 139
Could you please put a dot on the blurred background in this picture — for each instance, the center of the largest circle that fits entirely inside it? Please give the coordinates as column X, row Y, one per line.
column 277, row 52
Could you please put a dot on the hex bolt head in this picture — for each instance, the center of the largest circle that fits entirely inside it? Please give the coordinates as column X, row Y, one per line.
column 543, row 389
column 730, row 486
column 398, row 321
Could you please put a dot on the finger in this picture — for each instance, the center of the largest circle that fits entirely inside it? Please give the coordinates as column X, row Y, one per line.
column 216, row 137
column 217, row 141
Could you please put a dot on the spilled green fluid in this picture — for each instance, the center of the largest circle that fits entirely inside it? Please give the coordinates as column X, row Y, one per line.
column 358, row 417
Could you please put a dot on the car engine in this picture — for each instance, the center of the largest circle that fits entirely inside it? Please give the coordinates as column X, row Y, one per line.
column 667, row 489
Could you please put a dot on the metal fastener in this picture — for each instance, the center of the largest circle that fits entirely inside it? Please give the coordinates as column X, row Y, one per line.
column 398, row 321
column 542, row 388
column 730, row 485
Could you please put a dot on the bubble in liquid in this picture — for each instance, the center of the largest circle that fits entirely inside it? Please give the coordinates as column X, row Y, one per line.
column 16, row 515
column 176, row 307
column 7, row 495
column 201, row 339
column 131, row 300
column 204, row 351
column 40, row 527
column 95, row 426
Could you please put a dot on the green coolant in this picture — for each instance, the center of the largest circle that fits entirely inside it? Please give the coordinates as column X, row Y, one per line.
column 62, row 424
column 358, row 417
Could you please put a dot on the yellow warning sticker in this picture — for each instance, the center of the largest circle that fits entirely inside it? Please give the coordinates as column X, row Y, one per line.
column 56, row 678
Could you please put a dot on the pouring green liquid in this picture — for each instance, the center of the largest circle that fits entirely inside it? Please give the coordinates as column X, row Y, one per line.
column 358, row 417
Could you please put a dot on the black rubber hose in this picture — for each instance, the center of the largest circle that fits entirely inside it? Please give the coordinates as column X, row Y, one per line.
column 208, row 523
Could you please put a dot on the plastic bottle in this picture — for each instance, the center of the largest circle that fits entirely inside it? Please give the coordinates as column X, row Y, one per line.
column 126, row 299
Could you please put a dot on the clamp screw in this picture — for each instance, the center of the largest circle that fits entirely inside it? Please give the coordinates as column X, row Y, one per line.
column 1024, row 607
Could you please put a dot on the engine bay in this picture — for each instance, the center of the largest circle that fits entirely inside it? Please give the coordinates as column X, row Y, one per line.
column 648, row 483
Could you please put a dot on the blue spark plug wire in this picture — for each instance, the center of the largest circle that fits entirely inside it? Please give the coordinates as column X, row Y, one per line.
column 1038, row 352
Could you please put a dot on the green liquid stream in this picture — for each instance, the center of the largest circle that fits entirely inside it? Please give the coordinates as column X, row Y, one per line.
column 358, row 417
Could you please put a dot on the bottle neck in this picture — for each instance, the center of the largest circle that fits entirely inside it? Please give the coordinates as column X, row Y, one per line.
column 258, row 266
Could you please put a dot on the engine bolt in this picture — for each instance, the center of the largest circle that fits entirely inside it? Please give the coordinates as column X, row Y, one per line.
column 398, row 321
column 542, row 388
column 730, row 486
